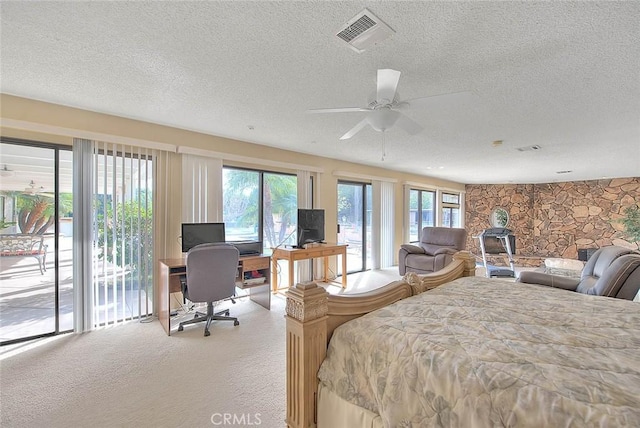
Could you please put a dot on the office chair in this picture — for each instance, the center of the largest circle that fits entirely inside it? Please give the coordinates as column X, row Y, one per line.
column 211, row 275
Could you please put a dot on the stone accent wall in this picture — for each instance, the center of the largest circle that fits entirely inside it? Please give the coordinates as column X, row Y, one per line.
column 553, row 219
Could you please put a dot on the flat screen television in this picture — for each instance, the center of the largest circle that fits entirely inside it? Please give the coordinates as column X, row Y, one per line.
column 310, row 226
column 201, row 233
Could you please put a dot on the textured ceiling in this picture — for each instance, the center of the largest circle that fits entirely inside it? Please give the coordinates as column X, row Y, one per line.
column 561, row 75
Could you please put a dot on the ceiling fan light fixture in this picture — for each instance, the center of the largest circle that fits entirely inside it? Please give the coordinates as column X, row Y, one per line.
column 383, row 119
column 31, row 190
column 6, row 172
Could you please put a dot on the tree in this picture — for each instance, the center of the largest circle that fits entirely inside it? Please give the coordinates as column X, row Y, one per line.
column 35, row 211
column 125, row 238
column 242, row 202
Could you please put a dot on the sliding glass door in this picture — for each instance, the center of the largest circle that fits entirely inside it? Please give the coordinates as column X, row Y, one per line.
column 354, row 219
column 36, row 219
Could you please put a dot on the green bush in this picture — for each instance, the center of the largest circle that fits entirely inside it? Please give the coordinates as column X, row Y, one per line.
column 127, row 241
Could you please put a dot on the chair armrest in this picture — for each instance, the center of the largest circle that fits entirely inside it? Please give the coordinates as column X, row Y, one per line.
column 450, row 251
column 413, row 249
column 555, row 281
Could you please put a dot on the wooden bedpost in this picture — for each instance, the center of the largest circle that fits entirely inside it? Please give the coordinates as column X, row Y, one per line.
column 313, row 314
column 306, row 348
column 469, row 262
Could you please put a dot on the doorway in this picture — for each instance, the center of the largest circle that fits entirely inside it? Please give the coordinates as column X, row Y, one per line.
column 36, row 223
column 354, row 224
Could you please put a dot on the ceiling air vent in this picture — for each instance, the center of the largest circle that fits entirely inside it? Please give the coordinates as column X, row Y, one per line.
column 364, row 31
column 529, row 148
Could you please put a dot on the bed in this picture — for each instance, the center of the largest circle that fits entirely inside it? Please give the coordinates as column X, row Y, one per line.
column 470, row 352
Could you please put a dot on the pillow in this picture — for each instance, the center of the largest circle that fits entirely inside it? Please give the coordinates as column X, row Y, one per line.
column 569, row 264
column 563, row 272
column 563, row 267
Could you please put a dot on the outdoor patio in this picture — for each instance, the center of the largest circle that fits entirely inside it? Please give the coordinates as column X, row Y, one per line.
column 27, row 297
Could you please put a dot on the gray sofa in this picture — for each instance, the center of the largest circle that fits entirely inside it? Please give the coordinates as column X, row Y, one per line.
column 611, row 271
column 433, row 252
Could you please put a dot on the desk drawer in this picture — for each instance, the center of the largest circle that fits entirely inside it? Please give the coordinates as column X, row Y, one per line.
column 332, row 252
column 255, row 264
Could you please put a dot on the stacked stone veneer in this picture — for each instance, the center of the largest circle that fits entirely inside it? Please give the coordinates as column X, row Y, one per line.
column 553, row 219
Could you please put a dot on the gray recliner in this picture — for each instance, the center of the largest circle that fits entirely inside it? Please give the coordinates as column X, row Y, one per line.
column 434, row 251
column 611, row 271
column 211, row 276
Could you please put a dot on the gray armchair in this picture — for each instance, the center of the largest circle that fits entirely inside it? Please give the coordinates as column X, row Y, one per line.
column 434, row 251
column 611, row 271
column 211, row 276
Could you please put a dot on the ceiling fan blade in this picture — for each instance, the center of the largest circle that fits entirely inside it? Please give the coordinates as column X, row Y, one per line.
column 409, row 125
column 439, row 100
column 353, row 131
column 337, row 110
column 387, row 84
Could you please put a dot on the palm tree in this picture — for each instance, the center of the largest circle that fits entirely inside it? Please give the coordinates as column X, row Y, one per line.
column 281, row 191
column 242, row 196
column 35, row 211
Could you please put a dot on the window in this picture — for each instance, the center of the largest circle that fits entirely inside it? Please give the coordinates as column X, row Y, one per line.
column 421, row 211
column 259, row 206
column 450, row 210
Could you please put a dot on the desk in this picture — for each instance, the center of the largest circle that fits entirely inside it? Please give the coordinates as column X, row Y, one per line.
column 312, row 252
column 172, row 269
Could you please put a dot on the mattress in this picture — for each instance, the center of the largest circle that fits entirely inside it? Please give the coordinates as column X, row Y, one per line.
column 481, row 352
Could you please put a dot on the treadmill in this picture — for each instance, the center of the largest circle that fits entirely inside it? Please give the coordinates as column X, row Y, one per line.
column 499, row 240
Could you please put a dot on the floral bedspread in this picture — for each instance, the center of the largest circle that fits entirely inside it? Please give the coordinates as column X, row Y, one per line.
column 481, row 352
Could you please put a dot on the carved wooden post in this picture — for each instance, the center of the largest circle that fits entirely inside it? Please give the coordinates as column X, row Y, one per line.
column 306, row 348
column 469, row 262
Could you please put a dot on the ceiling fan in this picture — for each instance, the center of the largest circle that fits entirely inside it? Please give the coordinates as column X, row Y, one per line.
column 383, row 111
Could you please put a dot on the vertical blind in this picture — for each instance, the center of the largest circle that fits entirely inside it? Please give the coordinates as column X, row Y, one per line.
column 383, row 224
column 123, row 233
column 114, row 234
column 201, row 189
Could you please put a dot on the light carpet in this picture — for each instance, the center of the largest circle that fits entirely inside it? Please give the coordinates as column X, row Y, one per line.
column 135, row 375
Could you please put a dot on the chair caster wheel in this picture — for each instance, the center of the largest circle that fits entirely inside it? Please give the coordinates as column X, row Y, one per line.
column 206, row 333
column 236, row 322
column 180, row 328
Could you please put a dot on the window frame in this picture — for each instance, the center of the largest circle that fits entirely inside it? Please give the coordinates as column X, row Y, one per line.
column 260, row 232
column 450, row 207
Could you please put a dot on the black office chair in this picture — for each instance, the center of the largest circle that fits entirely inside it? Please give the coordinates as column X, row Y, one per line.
column 211, row 275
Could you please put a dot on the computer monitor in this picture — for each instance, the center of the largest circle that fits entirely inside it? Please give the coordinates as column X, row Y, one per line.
column 310, row 226
column 201, row 233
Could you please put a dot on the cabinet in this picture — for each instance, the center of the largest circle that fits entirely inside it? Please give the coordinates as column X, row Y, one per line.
column 253, row 275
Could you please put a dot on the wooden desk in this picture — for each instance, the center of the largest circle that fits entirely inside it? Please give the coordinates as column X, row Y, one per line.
column 312, row 252
column 172, row 269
